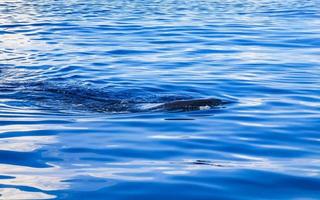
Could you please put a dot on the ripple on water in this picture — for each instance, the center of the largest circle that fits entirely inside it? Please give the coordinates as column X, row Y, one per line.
column 60, row 60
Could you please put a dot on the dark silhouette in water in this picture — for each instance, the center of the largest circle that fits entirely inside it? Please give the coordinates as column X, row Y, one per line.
column 84, row 97
column 189, row 105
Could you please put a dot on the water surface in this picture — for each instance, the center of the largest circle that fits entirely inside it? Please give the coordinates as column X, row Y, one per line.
column 263, row 56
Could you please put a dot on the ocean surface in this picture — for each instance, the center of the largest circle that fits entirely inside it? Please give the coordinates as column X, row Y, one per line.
column 64, row 63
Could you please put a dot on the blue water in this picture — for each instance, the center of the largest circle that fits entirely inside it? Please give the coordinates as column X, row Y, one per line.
column 61, row 62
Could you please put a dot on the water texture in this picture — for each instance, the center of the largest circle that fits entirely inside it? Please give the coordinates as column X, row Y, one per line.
column 62, row 62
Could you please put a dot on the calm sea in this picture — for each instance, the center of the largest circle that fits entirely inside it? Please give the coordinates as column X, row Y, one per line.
column 63, row 63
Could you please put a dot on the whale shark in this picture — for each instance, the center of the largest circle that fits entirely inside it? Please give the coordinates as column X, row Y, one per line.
column 109, row 100
column 105, row 100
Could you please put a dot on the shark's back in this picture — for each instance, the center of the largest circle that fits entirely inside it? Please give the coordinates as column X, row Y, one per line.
column 189, row 105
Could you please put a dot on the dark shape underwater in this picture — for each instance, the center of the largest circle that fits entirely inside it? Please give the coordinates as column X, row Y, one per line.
column 75, row 96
